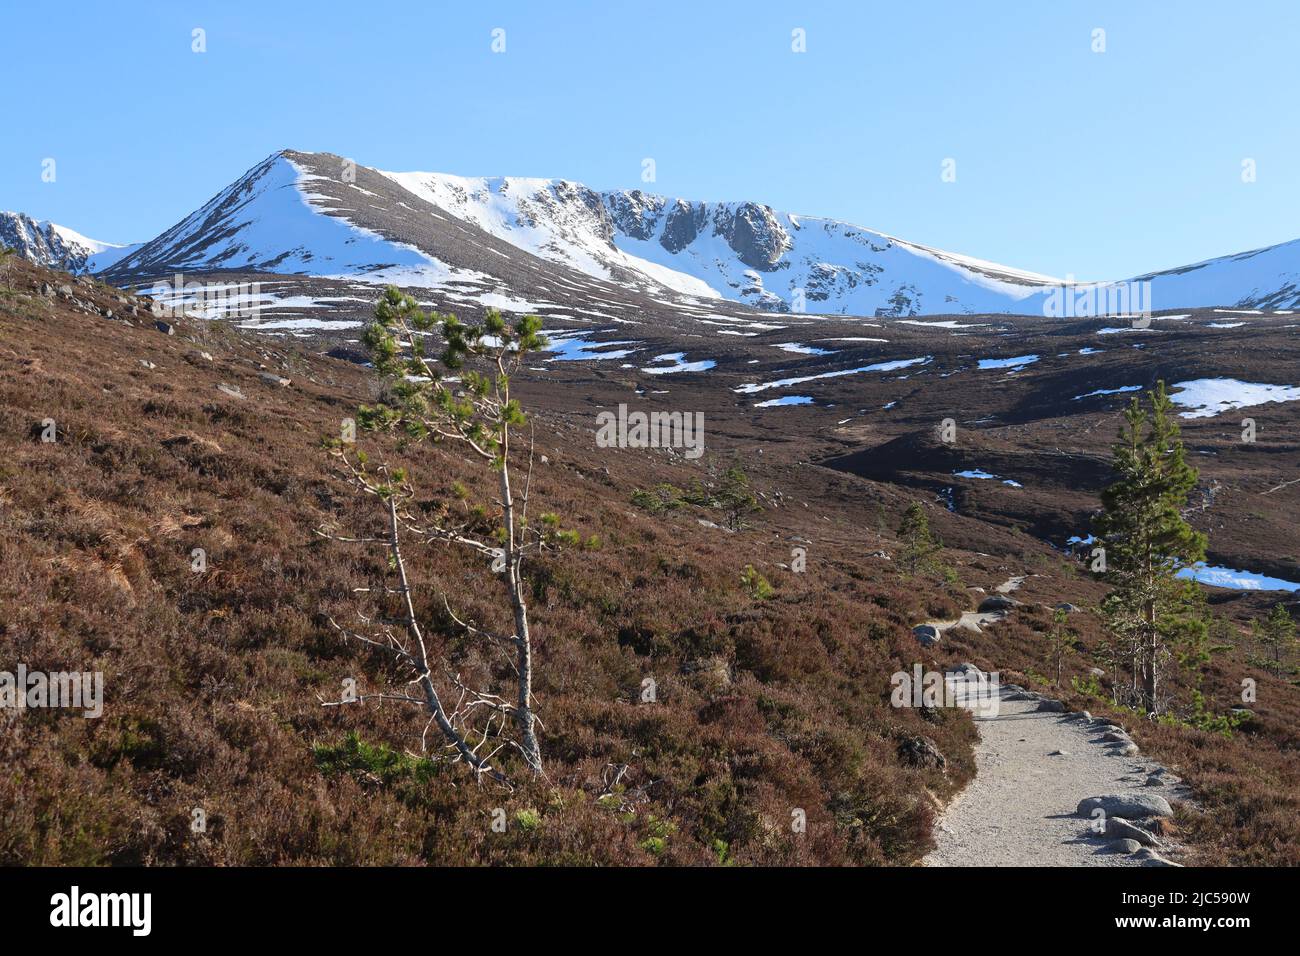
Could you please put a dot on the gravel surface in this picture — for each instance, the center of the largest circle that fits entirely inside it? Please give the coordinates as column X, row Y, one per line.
column 1020, row 808
column 1032, row 770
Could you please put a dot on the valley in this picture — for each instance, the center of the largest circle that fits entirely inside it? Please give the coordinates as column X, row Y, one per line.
column 171, row 440
column 195, row 379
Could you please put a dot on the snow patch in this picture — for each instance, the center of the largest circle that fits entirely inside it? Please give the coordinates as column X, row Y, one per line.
column 1207, row 397
column 788, row 400
column 890, row 366
column 1016, row 363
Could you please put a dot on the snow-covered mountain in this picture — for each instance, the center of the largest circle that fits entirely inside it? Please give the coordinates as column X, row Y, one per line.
column 1267, row 278
column 271, row 220
column 743, row 251
column 316, row 214
column 57, row 247
column 515, row 240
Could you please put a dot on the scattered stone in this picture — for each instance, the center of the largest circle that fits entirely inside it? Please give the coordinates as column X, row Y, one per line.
column 1122, row 829
column 1129, row 749
column 147, row 364
column 229, row 390
column 922, row 752
column 1066, row 607
column 1024, row 695
column 1096, row 672
column 927, row 634
column 1115, row 738
column 1130, row 806
column 997, row 602
column 272, row 379
column 1059, row 753
column 1050, row 707
column 883, row 555
column 164, row 327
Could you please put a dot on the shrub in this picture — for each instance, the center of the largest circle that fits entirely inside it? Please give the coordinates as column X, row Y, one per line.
column 758, row 586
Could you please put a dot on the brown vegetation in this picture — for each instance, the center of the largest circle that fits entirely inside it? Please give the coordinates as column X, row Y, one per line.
column 213, row 680
column 763, row 706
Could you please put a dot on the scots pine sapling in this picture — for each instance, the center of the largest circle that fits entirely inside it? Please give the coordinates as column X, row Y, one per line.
column 478, row 414
column 1146, row 542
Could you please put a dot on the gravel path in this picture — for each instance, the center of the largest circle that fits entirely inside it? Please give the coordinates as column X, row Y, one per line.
column 1019, row 809
column 1032, row 769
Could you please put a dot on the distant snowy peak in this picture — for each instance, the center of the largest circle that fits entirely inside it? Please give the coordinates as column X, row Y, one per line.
column 556, row 220
column 557, row 241
column 318, row 214
column 57, row 247
column 1267, row 278
column 743, row 251
column 272, row 220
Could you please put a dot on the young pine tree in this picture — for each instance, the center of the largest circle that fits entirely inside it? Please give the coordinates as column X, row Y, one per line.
column 480, row 416
column 1146, row 542
column 919, row 545
column 1060, row 642
column 735, row 499
column 1277, row 634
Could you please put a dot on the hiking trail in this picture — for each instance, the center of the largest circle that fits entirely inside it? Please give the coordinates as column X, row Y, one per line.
column 1033, row 768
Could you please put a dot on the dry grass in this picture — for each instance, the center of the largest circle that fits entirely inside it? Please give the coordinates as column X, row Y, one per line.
column 212, row 679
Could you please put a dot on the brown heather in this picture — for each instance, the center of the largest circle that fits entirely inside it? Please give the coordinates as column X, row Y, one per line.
column 213, row 681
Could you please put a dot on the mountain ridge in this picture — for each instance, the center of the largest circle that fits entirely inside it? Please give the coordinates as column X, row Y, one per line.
column 319, row 214
column 55, row 246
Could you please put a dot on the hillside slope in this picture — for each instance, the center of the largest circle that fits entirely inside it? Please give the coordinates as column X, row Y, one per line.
column 765, row 706
column 213, row 680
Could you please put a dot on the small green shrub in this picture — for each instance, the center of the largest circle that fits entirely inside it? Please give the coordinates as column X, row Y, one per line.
column 759, row 588
column 662, row 497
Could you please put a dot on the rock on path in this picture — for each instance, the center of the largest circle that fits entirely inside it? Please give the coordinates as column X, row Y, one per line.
column 992, row 609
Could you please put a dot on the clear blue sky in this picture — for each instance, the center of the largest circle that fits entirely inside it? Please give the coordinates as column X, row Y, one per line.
column 1068, row 161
